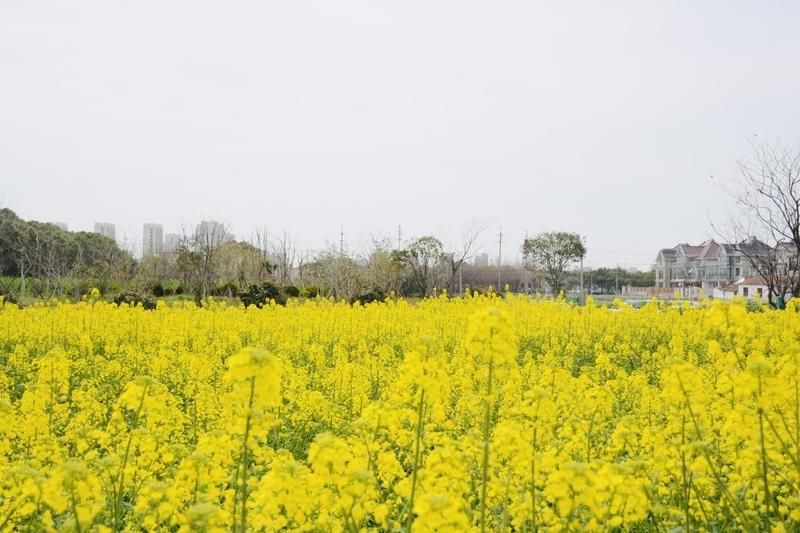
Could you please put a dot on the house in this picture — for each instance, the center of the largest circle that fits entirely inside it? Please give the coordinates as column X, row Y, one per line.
column 753, row 288
column 710, row 266
column 787, row 257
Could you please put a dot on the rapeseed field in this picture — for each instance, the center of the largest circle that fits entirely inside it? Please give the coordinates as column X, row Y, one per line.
column 482, row 413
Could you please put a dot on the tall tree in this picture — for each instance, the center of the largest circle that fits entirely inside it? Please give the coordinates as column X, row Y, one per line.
column 198, row 254
column 381, row 272
column 459, row 254
column 552, row 252
column 261, row 254
column 424, row 258
column 334, row 272
column 764, row 222
column 284, row 254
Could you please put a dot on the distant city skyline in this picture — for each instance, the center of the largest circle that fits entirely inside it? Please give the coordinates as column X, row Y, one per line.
column 107, row 229
column 485, row 252
column 152, row 239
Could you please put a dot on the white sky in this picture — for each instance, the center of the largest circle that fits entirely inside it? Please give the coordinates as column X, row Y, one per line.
column 605, row 118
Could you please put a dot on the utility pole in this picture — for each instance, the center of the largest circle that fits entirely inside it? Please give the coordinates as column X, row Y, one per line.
column 341, row 242
column 399, row 237
column 583, row 296
column 499, row 258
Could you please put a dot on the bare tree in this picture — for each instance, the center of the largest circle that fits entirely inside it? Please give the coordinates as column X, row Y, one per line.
column 333, row 271
column 462, row 252
column 284, row 252
column 262, row 262
column 27, row 258
column 197, row 255
column 43, row 255
column 766, row 208
column 381, row 271
column 155, row 269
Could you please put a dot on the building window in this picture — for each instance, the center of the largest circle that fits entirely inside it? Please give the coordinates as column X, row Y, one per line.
column 745, row 291
column 737, row 271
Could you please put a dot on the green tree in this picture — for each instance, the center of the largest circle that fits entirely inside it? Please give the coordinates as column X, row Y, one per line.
column 45, row 257
column 242, row 263
column 552, row 252
column 637, row 278
column 424, row 258
column 381, row 272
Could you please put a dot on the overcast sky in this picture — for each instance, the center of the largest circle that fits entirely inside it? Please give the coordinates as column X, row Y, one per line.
column 604, row 118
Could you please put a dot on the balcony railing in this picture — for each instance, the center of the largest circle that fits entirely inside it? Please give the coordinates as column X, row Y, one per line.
column 713, row 274
column 703, row 274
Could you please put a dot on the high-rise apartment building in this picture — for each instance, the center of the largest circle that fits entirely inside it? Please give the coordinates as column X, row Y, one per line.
column 171, row 242
column 107, row 229
column 152, row 240
column 62, row 226
column 212, row 233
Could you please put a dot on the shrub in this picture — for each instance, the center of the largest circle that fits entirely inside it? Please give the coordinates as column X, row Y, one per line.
column 310, row 292
column 8, row 298
column 375, row 295
column 261, row 294
column 229, row 289
column 172, row 287
column 291, row 291
column 157, row 290
column 133, row 299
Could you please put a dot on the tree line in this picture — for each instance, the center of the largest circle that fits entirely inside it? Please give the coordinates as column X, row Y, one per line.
column 41, row 260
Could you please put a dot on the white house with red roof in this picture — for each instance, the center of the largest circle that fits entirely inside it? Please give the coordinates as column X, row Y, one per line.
column 753, row 288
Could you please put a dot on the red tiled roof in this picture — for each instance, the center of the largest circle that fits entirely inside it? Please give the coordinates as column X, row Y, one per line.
column 668, row 253
column 691, row 251
column 753, row 280
column 710, row 250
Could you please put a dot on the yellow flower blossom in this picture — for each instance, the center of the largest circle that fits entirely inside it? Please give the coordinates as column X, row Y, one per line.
column 489, row 411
